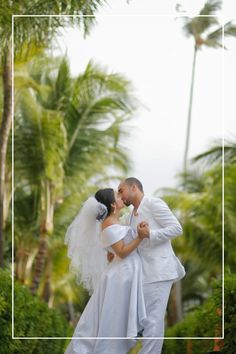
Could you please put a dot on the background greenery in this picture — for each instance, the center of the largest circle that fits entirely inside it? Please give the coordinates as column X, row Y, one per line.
column 32, row 317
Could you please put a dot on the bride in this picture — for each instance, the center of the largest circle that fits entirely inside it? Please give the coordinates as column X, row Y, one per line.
column 116, row 308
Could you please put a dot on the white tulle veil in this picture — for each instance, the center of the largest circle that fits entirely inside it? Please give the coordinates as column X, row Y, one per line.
column 88, row 258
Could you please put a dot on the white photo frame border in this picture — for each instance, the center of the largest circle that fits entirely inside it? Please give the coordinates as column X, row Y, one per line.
column 222, row 139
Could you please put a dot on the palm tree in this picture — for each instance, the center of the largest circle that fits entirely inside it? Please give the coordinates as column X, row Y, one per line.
column 214, row 157
column 199, row 207
column 29, row 32
column 67, row 135
column 199, row 204
column 206, row 32
column 200, row 210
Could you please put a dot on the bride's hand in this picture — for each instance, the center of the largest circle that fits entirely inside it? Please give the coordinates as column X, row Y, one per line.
column 143, row 224
column 110, row 256
column 143, row 230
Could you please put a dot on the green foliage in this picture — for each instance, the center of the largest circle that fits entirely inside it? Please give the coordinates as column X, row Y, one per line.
column 32, row 32
column 198, row 202
column 136, row 349
column 205, row 322
column 77, row 125
column 214, row 155
column 200, row 208
column 68, row 139
column 207, row 30
column 213, row 159
column 68, row 136
column 200, row 323
column 230, row 314
column 32, row 318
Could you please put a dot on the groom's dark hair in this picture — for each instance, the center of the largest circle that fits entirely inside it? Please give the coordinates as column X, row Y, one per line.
column 106, row 196
column 132, row 180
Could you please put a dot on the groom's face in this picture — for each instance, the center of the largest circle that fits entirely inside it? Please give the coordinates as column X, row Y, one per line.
column 125, row 192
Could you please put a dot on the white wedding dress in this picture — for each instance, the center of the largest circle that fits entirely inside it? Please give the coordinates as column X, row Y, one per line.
column 116, row 308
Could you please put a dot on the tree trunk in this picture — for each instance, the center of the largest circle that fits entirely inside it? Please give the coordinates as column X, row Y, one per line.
column 47, row 207
column 189, row 347
column 40, row 261
column 4, row 136
column 47, row 289
column 71, row 310
column 25, row 255
column 20, row 263
column 189, row 113
column 174, row 311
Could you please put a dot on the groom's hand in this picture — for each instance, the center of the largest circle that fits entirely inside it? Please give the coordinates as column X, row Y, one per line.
column 143, row 230
column 110, row 256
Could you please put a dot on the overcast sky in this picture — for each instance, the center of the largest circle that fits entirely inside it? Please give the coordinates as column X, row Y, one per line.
column 144, row 41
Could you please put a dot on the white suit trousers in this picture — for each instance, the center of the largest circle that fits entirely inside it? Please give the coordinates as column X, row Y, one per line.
column 156, row 297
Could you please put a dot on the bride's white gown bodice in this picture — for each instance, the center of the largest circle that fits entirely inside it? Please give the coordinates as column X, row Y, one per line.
column 116, row 308
column 115, row 233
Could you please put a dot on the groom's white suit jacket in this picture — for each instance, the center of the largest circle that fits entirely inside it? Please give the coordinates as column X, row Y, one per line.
column 158, row 258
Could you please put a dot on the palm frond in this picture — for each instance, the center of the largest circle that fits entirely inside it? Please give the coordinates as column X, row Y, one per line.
column 211, row 7
column 199, row 208
column 40, row 30
column 214, row 42
column 230, row 29
column 62, row 87
column 198, row 25
column 40, row 140
column 215, row 154
column 215, row 38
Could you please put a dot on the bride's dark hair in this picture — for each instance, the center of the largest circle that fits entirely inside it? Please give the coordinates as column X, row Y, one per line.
column 106, row 196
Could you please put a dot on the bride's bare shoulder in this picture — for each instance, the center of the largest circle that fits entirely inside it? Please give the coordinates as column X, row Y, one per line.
column 106, row 223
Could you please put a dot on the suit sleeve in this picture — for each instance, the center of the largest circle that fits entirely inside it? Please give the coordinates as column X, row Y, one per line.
column 169, row 225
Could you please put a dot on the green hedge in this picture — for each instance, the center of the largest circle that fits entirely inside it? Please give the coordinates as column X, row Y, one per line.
column 203, row 323
column 32, row 318
column 230, row 314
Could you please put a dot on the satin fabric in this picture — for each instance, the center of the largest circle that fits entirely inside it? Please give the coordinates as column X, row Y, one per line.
column 117, row 307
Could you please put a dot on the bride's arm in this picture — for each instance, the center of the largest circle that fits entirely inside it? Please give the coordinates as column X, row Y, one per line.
column 123, row 250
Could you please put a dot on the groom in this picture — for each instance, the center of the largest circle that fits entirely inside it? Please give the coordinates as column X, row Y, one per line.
column 161, row 268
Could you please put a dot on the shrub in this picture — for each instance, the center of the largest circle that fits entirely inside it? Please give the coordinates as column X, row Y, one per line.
column 230, row 314
column 32, row 318
column 204, row 322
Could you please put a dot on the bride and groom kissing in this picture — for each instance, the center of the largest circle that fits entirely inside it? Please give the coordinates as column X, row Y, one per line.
column 128, row 267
